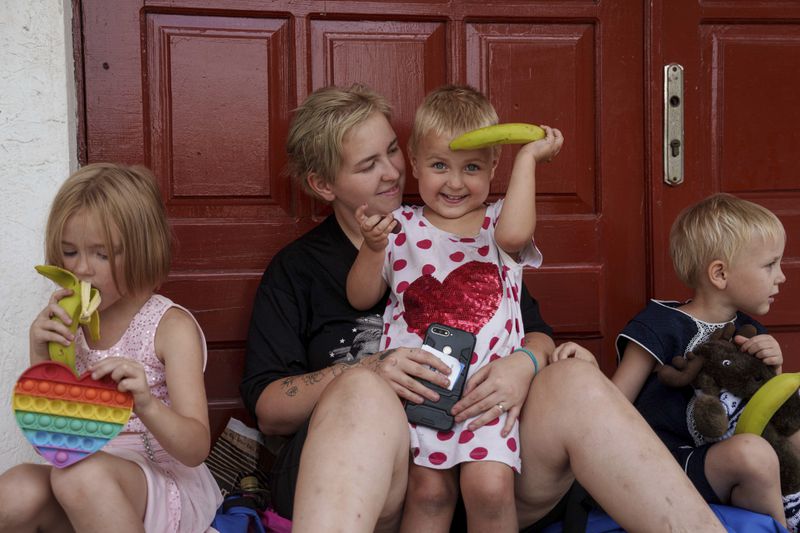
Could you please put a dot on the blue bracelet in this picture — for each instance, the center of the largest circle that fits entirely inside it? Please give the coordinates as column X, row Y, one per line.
column 533, row 358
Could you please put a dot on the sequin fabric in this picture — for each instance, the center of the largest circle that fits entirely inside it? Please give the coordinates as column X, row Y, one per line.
column 138, row 343
column 180, row 498
column 468, row 283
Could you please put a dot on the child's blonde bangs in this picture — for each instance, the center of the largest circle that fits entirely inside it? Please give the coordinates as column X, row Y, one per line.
column 450, row 111
column 127, row 203
column 718, row 228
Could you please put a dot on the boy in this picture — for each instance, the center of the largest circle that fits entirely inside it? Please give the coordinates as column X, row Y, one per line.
column 728, row 251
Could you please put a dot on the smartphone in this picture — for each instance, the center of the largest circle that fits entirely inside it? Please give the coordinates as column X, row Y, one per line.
column 455, row 347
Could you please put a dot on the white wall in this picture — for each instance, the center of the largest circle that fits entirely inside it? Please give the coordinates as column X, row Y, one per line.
column 37, row 152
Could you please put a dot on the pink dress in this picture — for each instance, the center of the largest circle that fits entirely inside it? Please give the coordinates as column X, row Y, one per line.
column 468, row 283
column 179, row 498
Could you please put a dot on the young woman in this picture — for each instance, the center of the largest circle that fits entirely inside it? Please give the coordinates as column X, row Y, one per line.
column 308, row 375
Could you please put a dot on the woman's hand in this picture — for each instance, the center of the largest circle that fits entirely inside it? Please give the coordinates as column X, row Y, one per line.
column 130, row 377
column 765, row 347
column 375, row 228
column 45, row 328
column 400, row 366
column 572, row 350
column 500, row 386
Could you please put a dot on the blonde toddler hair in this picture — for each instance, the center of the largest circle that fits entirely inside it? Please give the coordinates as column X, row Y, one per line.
column 126, row 199
column 715, row 228
column 449, row 111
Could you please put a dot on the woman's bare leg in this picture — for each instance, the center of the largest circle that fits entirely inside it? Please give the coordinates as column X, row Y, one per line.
column 576, row 424
column 354, row 465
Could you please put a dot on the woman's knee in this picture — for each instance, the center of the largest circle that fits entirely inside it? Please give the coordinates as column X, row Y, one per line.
column 571, row 379
column 359, row 393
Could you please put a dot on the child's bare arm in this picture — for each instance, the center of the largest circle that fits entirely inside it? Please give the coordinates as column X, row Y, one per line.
column 633, row 370
column 365, row 285
column 46, row 329
column 181, row 428
column 517, row 220
column 765, row 347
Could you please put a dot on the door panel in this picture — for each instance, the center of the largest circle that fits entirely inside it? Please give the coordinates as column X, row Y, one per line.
column 202, row 91
column 742, row 68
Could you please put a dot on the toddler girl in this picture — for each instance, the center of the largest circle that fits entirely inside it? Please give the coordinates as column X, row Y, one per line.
column 459, row 262
column 108, row 226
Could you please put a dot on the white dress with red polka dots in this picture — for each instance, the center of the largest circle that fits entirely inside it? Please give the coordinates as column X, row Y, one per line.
column 468, row 283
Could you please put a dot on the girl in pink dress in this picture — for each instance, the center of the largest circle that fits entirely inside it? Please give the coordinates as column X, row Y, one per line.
column 108, row 226
column 456, row 261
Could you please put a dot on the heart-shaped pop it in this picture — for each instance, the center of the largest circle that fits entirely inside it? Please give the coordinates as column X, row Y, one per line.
column 65, row 417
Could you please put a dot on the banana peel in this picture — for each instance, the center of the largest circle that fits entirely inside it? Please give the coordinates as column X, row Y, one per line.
column 81, row 306
column 766, row 402
column 507, row 133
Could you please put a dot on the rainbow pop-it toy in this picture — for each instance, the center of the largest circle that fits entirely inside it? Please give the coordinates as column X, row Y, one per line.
column 65, row 417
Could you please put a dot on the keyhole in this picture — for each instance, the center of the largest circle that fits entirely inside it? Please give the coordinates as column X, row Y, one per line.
column 675, row 145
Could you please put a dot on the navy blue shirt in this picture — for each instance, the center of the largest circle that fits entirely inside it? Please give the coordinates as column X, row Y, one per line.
column 664, row 331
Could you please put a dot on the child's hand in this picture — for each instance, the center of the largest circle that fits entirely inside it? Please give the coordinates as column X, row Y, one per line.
column 765, row 347
column 130, row 377
column 375, row 228
column 45, row 328
column 571, row 349
column 545, row 149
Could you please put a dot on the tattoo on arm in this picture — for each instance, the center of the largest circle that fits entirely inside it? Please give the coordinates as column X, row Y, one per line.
column 386, row 354
column 289, row 387
column 313, row 379
column 372, row 362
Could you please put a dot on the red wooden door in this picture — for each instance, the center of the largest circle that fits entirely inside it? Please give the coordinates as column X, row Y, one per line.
column 741, row 73
column 201, row 91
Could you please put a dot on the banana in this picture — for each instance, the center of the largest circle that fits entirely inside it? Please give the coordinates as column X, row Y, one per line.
column 81, row 306
column 766, row 402
column 509, row 133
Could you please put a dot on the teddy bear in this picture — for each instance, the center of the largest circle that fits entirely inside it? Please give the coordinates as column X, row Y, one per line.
column 719, row 364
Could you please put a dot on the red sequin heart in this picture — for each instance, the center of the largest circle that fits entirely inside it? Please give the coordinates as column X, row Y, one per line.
column 467, row 298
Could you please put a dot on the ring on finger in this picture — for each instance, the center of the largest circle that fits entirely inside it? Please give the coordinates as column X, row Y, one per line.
column 500, row 406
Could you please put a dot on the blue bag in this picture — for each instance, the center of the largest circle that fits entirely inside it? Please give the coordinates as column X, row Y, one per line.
column 734, row 519
column 233, row 518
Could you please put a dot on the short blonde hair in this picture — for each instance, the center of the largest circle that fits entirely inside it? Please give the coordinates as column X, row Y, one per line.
column 717, row 228
column 126, row 200
column 314, row 143
column 451, row 110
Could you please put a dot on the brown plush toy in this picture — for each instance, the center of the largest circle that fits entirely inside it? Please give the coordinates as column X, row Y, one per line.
column 719, row 364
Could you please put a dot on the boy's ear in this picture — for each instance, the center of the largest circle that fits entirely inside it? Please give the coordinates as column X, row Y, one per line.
column 718, row 274
column 320, row 186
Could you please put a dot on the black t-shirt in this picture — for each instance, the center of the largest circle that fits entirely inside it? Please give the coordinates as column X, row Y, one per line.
column 301, row 319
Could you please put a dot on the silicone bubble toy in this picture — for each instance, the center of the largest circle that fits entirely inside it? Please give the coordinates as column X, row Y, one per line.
column 64, row 416
column 67, row 418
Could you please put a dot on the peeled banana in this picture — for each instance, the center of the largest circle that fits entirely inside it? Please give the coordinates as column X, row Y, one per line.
column 81, row 306
column 766, row 402
column 509, row 133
